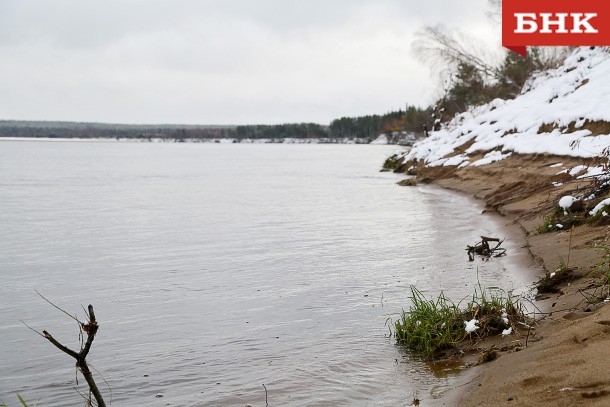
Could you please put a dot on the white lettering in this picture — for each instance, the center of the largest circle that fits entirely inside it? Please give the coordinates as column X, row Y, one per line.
column 578, row 23
column 526, row 19
column 560, row 22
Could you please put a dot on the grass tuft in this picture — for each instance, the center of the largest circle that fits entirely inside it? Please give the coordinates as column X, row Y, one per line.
column 599, row 219
column 434, row 325
column 391, row 163
column 552, row 282
column 560, row 220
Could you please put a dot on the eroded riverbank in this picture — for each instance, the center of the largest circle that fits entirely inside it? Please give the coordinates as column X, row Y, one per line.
column 565, row 362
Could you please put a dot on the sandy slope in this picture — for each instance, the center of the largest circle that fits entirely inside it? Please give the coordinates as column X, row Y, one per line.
column 567, row 359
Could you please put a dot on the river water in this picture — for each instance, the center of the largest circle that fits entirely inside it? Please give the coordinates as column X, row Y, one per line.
column 215, row 269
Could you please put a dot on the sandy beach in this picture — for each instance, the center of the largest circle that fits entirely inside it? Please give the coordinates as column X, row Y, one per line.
column 565, row 362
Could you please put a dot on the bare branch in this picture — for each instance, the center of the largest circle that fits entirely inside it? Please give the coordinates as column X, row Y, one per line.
column 39, row 333
column 91, row 329
column 59, row 346
column 443, row 48
column 55, row 306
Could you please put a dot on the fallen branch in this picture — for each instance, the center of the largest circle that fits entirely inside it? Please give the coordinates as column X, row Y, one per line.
column 483, row 249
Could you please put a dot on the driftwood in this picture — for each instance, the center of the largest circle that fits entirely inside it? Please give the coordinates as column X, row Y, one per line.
column 484, row 249
column 90, row 328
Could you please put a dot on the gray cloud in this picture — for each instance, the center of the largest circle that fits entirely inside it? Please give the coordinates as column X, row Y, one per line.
column 231, row 61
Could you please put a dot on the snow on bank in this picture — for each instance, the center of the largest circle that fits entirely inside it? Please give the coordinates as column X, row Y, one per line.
column 566, row 202
column 382, row 139
column 600, row 206
column 287, row 140
column 554, row 115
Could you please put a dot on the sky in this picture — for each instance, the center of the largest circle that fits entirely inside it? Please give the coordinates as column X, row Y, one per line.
column 220, row 62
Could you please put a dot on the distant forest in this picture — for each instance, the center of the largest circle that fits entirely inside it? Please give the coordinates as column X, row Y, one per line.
column 364, row 127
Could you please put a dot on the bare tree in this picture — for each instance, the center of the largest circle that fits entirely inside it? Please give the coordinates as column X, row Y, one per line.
column 446, row 49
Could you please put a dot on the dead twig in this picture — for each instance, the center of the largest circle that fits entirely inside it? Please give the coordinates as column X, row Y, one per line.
column 266, row 403
column 55, row 306
column 90, row 328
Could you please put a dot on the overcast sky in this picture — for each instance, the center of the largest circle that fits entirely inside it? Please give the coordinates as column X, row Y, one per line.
column 219, row 62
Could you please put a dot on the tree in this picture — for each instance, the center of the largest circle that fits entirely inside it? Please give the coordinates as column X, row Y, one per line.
column 469, row 89
column 474, row 75
column 446, row 49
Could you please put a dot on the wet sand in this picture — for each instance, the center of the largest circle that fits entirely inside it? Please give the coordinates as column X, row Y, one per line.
column 565, row 362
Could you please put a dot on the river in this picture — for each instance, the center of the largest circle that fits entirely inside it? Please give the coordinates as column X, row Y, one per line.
column 217, row 268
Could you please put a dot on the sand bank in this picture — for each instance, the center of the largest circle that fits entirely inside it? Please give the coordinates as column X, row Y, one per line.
column 565, row 362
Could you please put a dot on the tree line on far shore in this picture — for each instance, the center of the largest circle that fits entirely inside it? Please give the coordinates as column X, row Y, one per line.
column 366, row 128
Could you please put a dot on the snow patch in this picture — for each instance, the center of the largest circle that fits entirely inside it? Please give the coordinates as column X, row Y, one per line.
column 491, row 157
column 471, row 325
column 566, row 202
column 599, row 207
column 382, row 139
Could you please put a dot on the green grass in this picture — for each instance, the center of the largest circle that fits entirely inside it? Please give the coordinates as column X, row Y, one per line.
column 599, row 219
column 430, row 325
column 569, row 219
column 434, row 325
column 560, row 217
column 391, row 163
column 21, row 400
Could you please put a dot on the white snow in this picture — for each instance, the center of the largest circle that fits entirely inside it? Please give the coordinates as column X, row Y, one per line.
column 471, row 325
column 507, row 331
column 382, row 139
column 504, row 316
column 599, row 207
column 566, row 202
column 578, row 169
column 593, row 172
column 491, row 157
column 456, row 160
column 536, row 122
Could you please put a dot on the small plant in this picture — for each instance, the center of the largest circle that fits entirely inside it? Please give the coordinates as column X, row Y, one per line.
column 560, row 220
column 549, row 224
column 601, row 271
column 552, row 282
column 432, row 326
column 410, row 167
column 21, row 400
column 601, row 217
column 391, row 162
column 603, row 266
